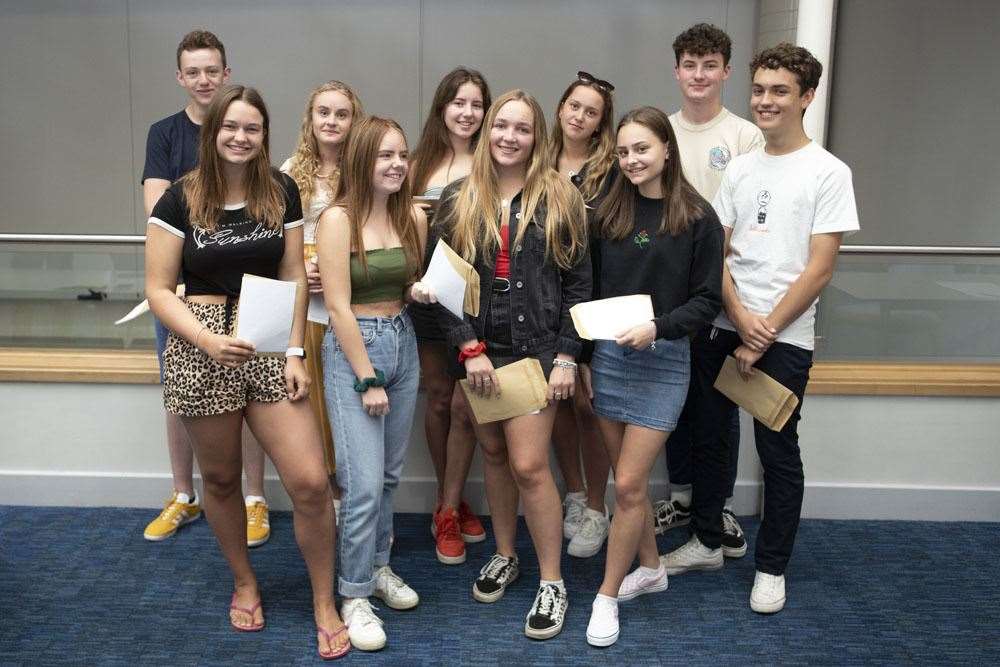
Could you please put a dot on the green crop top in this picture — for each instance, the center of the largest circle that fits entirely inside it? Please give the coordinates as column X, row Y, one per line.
column 387, row 276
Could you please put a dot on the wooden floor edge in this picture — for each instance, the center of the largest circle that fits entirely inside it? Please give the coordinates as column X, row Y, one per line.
column 830, row 378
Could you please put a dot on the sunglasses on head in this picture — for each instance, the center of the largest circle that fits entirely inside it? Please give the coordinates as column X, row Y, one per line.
column 586, row 77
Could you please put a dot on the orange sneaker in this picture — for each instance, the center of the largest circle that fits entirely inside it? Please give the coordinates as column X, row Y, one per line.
column 450, row 547
column 469, row 524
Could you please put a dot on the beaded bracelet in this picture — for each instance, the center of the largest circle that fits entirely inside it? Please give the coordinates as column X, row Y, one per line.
column 361, row 386
column 562, row 363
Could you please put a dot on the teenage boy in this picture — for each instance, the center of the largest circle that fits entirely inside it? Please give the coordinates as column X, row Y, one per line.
column 171, row 152
column 708, row 136
column 784, row 208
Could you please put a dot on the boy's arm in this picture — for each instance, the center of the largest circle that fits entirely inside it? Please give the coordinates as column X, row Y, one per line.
column 823, row 249
column 156, row 171
column 152, row 190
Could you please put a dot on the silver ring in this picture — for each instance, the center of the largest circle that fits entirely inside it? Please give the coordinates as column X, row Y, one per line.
column 487, row 381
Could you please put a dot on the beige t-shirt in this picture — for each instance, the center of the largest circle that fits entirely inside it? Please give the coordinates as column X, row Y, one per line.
column 706, row 149
column 321, row 199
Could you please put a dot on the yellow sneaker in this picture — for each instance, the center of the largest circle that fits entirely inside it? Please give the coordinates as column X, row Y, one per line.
column 177, row 512
column 258, row 522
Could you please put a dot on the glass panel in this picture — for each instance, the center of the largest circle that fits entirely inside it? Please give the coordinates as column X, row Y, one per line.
column 61, row 295
column 907, row 308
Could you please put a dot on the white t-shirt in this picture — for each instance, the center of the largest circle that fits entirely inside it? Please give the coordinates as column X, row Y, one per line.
column 774, row 204
column 707, row 149
column 320, row 200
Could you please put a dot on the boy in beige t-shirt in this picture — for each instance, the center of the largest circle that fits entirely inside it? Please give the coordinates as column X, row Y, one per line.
column 708, row 136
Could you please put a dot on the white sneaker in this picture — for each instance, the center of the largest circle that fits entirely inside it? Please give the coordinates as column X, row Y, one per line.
column 639, row 582
column 364, row 628
column 392, row 590
column 692, row 555
column 573, row 506
column 590, row 535
column 603, row 627
column 768, row 594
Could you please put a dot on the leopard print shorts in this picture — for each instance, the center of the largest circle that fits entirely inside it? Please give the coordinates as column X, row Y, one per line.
column 195, row 385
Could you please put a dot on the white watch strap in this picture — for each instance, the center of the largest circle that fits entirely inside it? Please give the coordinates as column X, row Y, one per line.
column 295, row 352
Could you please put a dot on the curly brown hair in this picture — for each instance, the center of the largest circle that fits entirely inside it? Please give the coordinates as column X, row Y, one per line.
column 795, row 59
column 702, row 39
column 200, row 39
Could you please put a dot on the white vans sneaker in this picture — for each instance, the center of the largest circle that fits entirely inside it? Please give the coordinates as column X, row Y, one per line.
column 692, row 555
column 603, row 627
column 768, row 594
column 639, row 582
column 392, row 590
column 364, row 628
column 573, row 506
column 591, row 534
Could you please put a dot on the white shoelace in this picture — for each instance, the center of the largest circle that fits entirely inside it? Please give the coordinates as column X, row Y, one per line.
column 547, row 603
column 363, row 613
column 574, row 509
column 392, row 581
column 729, row 524
column 592, row 526
column 496, row 565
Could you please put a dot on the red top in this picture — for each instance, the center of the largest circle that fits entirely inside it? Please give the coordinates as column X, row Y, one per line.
column 503, row 257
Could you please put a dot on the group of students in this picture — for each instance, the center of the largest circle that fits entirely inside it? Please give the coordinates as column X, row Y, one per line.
column 732, row 228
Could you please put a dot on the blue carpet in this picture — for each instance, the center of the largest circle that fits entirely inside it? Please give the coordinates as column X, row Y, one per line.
column 82, row 586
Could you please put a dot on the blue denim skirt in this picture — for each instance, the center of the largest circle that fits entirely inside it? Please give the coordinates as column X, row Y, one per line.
column 641, row 387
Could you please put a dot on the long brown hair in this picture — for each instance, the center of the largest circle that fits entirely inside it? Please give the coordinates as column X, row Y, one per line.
column 475, row 217
column 205, row 186
column 357, row 197
column 682, row 204
column 305, row 162
column 600, row 151
column 435, row 146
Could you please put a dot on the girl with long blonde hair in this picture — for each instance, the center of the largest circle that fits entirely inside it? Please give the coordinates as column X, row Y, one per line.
column 371, row 244
column 444, row 155
column 233, row 215
column 331, row 112
column 582, row 149
column 523, row 227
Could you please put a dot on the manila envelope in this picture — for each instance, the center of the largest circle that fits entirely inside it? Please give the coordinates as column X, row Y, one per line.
column 522, row 391
column 769, row 401
column 467, row 271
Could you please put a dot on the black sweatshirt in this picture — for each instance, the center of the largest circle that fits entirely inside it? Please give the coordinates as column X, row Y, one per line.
column 682, row 274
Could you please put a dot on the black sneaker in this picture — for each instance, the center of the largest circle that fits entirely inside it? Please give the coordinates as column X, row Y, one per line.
column 734, row 545
column 545, row 620
column 668, row 514
column 494, row 578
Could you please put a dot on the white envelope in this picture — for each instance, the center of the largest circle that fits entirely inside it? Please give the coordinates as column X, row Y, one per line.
column 604, row 319
column 317, row 310
column 447, row 283
column 267, row 308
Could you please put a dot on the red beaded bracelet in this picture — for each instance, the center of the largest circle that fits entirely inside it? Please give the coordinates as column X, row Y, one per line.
column 470, row 352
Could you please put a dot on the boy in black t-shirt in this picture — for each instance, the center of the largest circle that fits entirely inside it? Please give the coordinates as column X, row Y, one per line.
column 171, row 152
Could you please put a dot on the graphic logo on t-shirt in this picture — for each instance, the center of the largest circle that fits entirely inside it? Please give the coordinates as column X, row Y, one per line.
column 641, row 239
column 718, row 157
column 229, row 236
column 763, row 199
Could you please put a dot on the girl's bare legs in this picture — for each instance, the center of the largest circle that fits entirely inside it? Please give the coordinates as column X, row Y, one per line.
column 437, row 413
column 596, row 464
column 566, row 443
column 501, row 491
column 632, row 450
column 253, row 464
column 287, row 431
column 181, row 455
column 460, row 449
column 217, row 443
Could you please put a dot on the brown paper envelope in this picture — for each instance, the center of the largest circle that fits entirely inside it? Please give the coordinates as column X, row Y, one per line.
column 522, row 391
column 471, row 302
column 769, row 401
column 574, row 312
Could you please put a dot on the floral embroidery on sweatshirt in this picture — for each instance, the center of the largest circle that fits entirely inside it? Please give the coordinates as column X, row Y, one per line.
column 641, row 239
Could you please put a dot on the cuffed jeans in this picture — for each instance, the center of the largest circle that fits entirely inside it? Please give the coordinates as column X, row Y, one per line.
column 370, row 450
column 779, row 454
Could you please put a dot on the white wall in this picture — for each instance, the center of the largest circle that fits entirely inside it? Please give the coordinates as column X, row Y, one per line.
column 865, row 457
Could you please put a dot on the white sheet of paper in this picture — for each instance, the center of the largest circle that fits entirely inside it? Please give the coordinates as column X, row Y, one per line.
column 447, row 283
column 606, row 318
column 267, row 308
column 317, row 310
column 140, row 309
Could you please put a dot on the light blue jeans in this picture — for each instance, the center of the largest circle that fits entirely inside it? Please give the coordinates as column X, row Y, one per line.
column 370, row 450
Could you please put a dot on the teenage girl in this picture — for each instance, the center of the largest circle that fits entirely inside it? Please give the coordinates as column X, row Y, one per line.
column 523, row 227
column 371, row 243
column 326, row 126
column 654, row 235
column 582, row 149
column 444, row 155
column 233, row 215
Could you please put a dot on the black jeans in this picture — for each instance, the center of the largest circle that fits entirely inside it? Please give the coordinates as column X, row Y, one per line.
column 779, row 451
column 679, row 468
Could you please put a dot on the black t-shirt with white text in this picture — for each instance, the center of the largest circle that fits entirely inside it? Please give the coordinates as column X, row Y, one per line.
column 214, row 262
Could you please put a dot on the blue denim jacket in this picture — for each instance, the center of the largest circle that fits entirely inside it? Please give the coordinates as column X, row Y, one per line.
column 541, row 293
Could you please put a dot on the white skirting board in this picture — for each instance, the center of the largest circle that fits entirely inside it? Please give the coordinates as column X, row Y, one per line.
column 822, row 500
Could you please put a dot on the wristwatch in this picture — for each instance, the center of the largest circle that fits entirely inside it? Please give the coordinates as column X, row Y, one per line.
column 295, row 352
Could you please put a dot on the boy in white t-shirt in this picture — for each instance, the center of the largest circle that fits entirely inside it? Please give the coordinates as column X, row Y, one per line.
column 785, row 209
column 708, row 137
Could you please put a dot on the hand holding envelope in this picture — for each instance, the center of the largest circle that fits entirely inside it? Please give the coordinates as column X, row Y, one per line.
column 450, row 281
column 524, row 392
column 769, row 401
column 606, row 319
